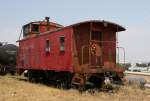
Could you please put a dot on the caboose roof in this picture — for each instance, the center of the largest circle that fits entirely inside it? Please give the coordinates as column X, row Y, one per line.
column 111, row 24
column 45, row 23
column 115, row 26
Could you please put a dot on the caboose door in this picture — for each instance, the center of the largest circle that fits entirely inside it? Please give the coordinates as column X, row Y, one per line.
column 95, row 50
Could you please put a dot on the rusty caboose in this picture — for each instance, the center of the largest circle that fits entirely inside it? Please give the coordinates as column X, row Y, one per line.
column 75, row 54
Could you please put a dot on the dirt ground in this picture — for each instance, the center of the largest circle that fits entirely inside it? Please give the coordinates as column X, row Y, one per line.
column 15, row 89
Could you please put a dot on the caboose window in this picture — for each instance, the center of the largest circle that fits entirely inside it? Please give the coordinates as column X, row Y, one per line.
column 96, row 35
column 47, row 46
column 25, row 30
column 35, row 27
column 62, row 43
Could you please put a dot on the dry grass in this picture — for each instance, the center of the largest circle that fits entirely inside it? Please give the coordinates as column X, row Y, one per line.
column 12, row 89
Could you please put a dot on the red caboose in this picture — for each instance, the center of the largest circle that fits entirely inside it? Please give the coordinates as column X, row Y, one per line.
column 73, row 54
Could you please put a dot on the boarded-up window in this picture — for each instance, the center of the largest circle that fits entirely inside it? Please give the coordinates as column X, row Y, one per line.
column 62, row 43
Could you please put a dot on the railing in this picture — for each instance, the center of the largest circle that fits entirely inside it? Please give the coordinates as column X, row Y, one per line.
column 124, row 55
column 102, row 46
column 84, row 46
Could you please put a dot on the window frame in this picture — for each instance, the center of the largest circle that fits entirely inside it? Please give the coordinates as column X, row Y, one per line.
column 26, row 30
column 95, row 37
column 47, row 46
column 36, row 25
column 62, row 43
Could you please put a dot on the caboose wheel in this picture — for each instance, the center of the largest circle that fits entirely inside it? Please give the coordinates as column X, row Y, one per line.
column 3, row 70
column 64, row 83
column 31, row 77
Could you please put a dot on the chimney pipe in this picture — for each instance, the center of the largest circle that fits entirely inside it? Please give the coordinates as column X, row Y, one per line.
column 48, row 23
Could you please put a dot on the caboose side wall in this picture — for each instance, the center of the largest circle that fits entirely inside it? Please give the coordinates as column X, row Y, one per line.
column 81, row 38
column 108, row 42
column 32, row 54
column 109, row 48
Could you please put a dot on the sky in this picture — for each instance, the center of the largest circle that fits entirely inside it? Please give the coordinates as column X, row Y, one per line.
column 134, row 15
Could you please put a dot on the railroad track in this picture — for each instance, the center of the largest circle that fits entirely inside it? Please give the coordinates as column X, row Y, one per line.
column 144, row 75
column 138, row 73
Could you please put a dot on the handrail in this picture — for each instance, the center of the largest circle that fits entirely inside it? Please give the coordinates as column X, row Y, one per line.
column 124, row 55
column 84, row 46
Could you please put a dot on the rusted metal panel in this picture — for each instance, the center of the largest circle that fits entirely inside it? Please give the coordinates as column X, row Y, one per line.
column 94, row 55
